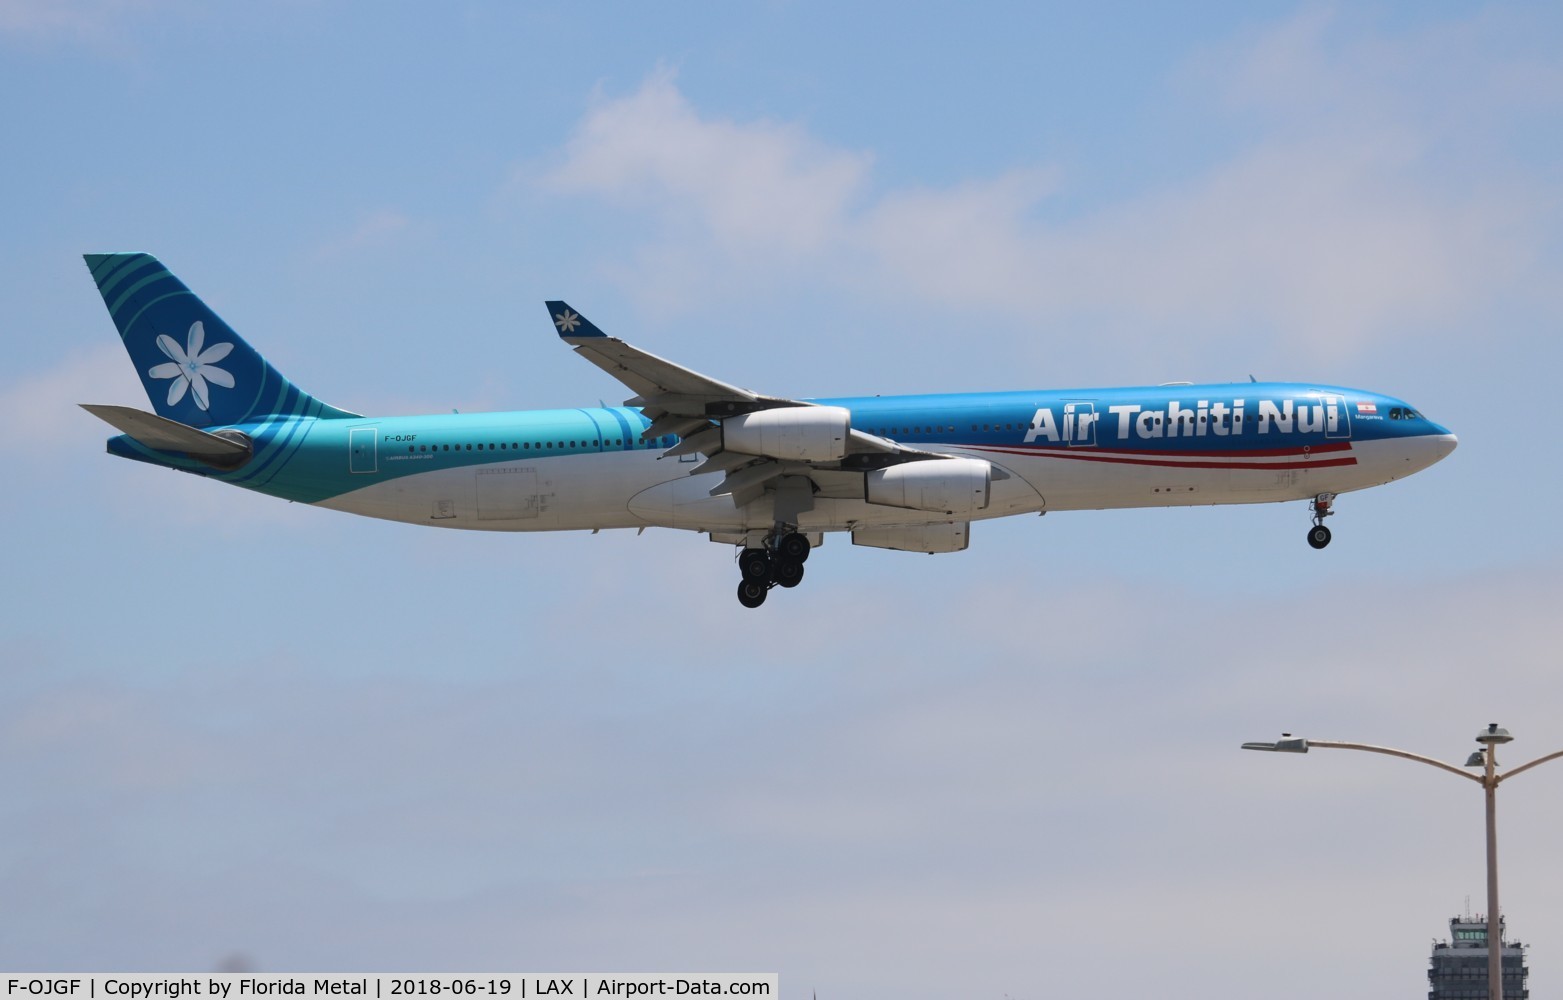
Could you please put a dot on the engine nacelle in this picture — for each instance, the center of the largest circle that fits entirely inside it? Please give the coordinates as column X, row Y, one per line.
column 799, row 433
column 950, row 485
column 928, row 538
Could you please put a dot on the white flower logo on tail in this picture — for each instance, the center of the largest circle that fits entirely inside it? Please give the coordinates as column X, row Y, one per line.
column 192, row 368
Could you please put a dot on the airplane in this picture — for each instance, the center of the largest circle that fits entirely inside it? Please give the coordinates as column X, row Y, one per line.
column 767, row 475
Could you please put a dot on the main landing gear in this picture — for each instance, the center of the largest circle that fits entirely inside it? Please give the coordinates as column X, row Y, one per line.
column 1319, row 535
column 778, row 564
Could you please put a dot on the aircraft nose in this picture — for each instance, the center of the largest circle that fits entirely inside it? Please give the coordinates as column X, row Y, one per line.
column 1431, row 449
column 1419, row 451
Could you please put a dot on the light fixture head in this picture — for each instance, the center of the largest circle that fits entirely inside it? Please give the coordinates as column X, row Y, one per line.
column 1494, row 733
column 1286, row 744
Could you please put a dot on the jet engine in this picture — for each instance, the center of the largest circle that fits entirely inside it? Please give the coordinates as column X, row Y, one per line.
column 798, row 433
column 950, row 485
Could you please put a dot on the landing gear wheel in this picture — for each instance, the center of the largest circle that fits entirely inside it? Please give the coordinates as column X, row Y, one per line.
column 755, row 565
column 1318, row 536
column 794, row 546
column 789, row 572
column 752, row 594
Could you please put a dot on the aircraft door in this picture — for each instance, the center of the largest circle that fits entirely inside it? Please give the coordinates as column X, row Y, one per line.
column 362, row 455
column 1080, row 424
column 1337, row 418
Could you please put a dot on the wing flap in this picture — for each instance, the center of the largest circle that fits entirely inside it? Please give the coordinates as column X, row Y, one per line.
column 707, row 442
column 742, row 480
column 669, row 423
column 724, row 462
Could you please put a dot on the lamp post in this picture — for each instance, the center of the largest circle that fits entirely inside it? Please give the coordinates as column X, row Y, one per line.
column 1486, row 758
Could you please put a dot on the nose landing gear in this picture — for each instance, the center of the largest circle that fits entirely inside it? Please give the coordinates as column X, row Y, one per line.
column 778, row 564
column 1319, row 535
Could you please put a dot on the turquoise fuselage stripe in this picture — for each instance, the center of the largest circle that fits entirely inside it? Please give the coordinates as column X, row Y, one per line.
column 624, row 426
column 272, row 429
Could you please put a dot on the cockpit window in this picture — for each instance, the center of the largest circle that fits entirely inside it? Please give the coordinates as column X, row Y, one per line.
column 1403, row 413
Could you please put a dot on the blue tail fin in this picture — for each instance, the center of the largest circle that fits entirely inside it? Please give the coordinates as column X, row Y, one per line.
column 196, row 370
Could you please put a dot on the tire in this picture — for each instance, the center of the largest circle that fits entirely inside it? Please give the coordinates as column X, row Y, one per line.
column 751, row 594
column 794, row 546
column 789, row 572
column 755, row 565
column 1318, row 536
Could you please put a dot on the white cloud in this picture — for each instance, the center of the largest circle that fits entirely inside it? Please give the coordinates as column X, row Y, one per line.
column 373, row 230
column 750, row 187
column 45, row 402
column 831, row 805
column 63, row 445
column 1352, row 215
column 95, row 22
column 48, row 17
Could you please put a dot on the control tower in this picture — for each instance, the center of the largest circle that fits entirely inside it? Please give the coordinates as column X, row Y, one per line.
column 1459, row 965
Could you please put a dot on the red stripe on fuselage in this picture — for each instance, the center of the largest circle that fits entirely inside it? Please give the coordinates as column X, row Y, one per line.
column 1083, row 454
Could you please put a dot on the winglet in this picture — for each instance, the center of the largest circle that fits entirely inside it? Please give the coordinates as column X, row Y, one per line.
column 571, row 324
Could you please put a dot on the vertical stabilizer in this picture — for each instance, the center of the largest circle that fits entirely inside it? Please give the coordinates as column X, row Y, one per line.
column 195, row 368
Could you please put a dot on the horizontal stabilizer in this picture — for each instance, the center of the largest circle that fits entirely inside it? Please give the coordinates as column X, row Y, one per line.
column 162, row 434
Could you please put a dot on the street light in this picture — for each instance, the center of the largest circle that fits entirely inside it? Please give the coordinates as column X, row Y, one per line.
column 1490, row 738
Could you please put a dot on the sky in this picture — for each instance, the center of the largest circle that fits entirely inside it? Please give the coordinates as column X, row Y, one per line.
column 236, row 729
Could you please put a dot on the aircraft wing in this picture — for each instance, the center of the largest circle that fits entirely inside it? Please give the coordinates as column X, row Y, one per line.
column 683, row 402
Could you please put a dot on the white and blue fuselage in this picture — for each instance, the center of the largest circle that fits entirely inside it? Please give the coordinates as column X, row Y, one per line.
column 558, row 470
column 771, row 475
